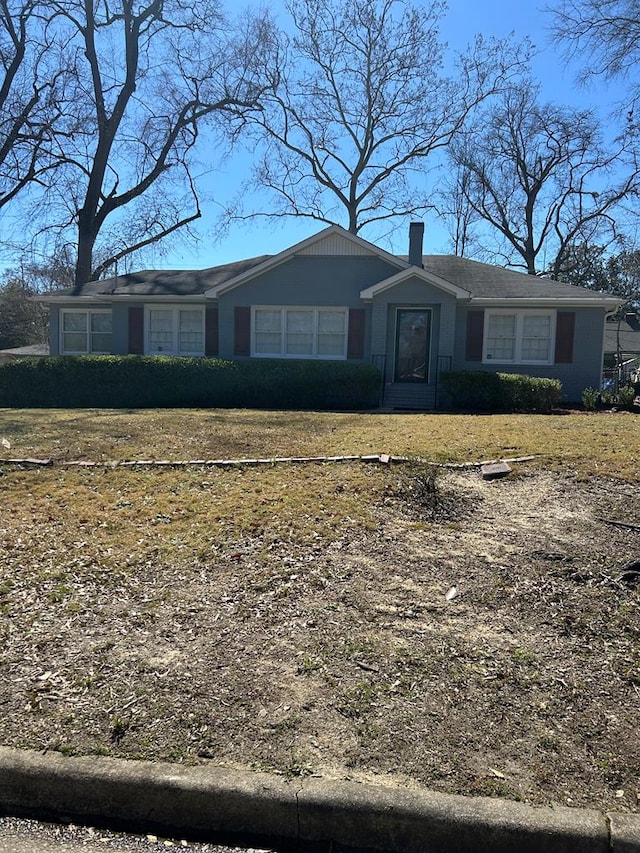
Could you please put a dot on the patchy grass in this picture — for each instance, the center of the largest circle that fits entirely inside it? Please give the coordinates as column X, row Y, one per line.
column 115, row 518
column 589, row 442
column 296, row 618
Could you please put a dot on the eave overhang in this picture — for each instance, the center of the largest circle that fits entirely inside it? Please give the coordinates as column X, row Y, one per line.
column 413, row 272
column 604, row 302
column 95, row 298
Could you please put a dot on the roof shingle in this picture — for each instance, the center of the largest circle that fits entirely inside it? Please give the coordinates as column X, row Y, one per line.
column 483, row 281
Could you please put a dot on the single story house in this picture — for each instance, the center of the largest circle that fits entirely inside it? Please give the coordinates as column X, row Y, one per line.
column 337, row 296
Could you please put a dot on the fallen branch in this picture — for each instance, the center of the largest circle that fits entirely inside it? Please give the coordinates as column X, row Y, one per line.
column 367, row 667
column 459, row 466
column 624, row 524
column 380, row 458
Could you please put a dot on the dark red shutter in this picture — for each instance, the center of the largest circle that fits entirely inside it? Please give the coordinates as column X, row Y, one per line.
column 136, row 330
column 475, row 334
column 211, row 330
column 565, row 333
column 355, row 339
column 242, row 327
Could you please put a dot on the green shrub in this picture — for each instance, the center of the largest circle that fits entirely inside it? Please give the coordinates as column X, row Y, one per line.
column 501, row 392
column 590, row 399
column 626, row 395
column 608, row 397
column 166, row 382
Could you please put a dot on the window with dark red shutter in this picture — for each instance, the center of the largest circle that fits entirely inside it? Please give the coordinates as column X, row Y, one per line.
column 565, row 333
column 242, row 330
column 136, row 330
column 355, row 339
column 211, row 330
column 475, row 332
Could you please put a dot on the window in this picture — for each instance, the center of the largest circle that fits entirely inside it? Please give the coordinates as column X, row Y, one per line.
column 300, row 332
column 84, row 332
column 522, row 337
column 175, row 331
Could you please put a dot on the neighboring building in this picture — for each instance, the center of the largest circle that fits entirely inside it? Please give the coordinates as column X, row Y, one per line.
column 336, row 296
column 622, row 349
column 30, row 351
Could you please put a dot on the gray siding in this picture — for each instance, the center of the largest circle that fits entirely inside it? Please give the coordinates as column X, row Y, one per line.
column 585, row 370
column 120, row 327
column 413, row 293
column 310, row 281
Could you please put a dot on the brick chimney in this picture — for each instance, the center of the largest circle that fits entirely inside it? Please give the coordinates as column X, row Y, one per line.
column 416, row 234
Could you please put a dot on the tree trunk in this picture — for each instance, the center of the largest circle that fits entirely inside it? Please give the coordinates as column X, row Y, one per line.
column 86, row 241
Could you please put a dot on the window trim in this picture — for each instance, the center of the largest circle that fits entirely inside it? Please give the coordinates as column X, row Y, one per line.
column 520, row 314
column 316, row 309
column 88, row 312
column 175, row 308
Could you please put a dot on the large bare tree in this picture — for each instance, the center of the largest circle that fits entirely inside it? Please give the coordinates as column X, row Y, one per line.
column 540, row 180
column 364, row 96
column 144, row 78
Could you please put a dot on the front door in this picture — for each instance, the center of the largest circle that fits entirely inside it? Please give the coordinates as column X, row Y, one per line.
column 413, row 337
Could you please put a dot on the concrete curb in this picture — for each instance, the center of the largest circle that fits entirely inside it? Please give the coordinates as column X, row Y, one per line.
column 307, row 811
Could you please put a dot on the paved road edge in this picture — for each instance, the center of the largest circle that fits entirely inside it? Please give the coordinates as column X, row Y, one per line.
column 313, row 810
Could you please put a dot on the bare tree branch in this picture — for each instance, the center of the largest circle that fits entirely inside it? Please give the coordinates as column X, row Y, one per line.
column 359, row 102
column 604, row 36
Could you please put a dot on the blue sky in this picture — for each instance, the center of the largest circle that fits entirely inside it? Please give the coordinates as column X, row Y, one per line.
column 464, row 19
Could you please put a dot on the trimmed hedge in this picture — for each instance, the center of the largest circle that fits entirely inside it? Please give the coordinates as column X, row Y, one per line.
column 168, row 382
column 501, row 392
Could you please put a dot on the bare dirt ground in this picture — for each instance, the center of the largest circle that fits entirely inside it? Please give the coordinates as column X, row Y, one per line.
column 347, row 658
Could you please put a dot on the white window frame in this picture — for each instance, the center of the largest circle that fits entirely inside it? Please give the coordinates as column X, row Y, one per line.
column 88, row 312
column 283, row 331
column 175, row 310
column 519, row 314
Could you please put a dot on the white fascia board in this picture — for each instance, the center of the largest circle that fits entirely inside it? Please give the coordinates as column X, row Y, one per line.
column 176, row 299
column 547, row 302
column 414, row 272
column 286, row 254
column 67, row 300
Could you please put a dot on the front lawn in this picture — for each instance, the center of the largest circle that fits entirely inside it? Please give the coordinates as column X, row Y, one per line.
column 301, row 618
column 593, row 443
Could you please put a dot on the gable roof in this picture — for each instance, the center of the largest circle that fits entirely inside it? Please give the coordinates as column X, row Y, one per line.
column 425, row 275
column 482, row 284
column 333, row 240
